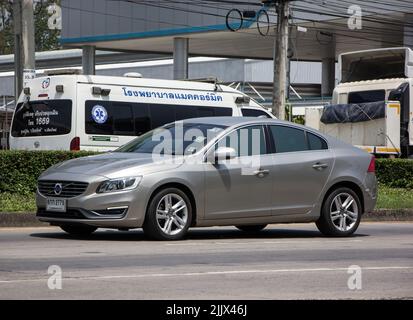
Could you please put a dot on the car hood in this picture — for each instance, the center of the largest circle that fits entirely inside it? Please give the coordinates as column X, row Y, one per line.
column 116, row 164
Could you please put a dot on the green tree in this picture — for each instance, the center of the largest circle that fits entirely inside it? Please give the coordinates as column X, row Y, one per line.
column 6, row 27
column 45, row 39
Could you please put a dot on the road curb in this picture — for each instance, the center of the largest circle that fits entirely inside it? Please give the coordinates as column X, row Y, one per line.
column 28, row 219
column 20, row 219
column 389, row 215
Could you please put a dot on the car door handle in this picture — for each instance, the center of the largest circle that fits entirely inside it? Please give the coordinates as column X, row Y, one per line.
column 320, row 166
column 261, row 173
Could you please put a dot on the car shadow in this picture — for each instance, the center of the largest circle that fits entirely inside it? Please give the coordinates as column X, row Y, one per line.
column 194, row 234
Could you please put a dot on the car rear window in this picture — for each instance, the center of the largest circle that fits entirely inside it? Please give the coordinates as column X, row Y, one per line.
column 42, row 118
column 316, row 143
column 288, row 139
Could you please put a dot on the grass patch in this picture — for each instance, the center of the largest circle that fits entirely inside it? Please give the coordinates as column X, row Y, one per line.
column 12, row 202
column 394, row 198
column 389, row 198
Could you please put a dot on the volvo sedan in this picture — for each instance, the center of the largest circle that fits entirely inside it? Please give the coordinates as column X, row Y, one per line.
column 245, row 172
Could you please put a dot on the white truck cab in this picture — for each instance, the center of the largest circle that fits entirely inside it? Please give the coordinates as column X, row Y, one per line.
column 101, row 113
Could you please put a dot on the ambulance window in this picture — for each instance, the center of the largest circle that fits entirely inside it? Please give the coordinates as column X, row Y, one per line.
column 222, row 112
column 206, row 112
column 214, row 112
column 122, row 119
column 98, row 117
column 161, row 114
column 142, row 119
column 42, row 118
column 185, row 112
column 254, row 113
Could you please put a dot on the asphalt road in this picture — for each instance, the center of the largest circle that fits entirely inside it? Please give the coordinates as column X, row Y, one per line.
column 282, row 262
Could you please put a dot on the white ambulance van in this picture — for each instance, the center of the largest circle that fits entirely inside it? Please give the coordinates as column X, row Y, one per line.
column 101, row 113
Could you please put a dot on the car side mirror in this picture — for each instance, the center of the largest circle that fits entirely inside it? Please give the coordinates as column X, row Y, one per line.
column 224, row 153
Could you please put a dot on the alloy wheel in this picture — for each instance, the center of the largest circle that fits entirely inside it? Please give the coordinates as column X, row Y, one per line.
column 172, row 214
column 344, row 211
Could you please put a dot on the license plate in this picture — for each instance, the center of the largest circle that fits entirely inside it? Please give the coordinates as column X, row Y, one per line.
column 57, row 205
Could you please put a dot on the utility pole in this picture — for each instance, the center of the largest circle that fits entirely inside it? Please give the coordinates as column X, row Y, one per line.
column 280, row 59
column 24, row 60
column 6, row 128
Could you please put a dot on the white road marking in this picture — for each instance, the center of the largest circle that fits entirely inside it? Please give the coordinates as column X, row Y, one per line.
column 208, row 273
column 261, row 242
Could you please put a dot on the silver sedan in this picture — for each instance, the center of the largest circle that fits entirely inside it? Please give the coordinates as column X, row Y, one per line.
column 246, row 172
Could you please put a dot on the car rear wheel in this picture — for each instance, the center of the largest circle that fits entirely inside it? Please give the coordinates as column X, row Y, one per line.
column 340, row 214
column 169, row 215
column 78, row 230
column 252, row 228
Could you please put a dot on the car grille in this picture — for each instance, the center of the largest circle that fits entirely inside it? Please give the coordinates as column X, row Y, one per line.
column 70, row 189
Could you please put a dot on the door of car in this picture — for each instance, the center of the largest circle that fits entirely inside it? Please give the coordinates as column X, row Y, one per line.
column 302, row 164
column 240, row 187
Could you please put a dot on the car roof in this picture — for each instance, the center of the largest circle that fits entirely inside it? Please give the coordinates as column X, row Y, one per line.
column 235, row 121
column 228, row 121
column 239, row 121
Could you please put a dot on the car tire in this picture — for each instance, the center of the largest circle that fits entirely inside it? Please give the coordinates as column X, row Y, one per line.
column 169, row 215
column 78, row 230
column 252, row 228
column 340, row 214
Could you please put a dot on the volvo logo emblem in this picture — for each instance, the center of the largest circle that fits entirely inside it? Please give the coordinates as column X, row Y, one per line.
column 58, row 189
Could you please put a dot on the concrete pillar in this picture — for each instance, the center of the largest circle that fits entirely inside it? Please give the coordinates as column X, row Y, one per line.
column 24, row 56
column 328, row 74
column 88, row 60
column 180, row 58
column 28, row 34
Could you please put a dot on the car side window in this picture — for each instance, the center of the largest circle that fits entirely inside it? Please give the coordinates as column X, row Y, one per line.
column 247, row 141
column 316, row 143
column 254, row 113
column 288, row 139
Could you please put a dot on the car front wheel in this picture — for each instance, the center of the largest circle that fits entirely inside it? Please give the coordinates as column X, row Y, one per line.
column 341, row 213
column 169, row 215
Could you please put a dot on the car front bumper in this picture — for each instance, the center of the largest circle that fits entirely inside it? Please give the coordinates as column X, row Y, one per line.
column 122, row 209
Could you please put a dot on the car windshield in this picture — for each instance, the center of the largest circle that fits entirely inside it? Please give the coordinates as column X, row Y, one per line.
column 174, row 139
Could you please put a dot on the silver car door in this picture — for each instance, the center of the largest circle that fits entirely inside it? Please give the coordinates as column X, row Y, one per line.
column 240, row 188
column 300, row 173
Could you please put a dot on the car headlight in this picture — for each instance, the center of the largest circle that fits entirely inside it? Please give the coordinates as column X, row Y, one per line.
column 120, row 184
